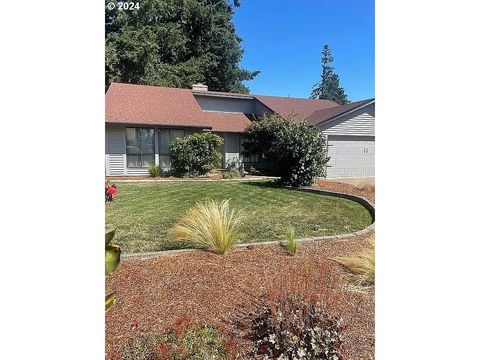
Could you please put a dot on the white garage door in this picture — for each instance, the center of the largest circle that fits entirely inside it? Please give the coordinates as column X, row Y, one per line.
column 351, row 156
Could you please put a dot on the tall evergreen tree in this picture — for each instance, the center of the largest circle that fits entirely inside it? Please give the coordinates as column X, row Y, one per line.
column 329, row 87
column 175, row 43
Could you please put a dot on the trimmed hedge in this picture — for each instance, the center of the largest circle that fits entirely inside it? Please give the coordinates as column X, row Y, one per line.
column 196, row 154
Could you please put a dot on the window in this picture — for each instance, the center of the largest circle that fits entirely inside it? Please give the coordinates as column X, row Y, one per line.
column 253, row 158
column 165, row 137
column 140, row 147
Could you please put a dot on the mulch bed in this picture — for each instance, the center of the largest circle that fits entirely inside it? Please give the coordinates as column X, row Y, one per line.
column 225, row 290
column 368, row 193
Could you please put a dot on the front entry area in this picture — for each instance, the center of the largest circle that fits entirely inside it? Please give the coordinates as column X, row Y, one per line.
column 351, row 156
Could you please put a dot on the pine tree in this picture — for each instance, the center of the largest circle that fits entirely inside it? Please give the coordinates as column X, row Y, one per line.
column 329, row 87
column 175, row 43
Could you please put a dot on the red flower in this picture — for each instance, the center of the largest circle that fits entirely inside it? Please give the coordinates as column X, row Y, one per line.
column 112, row 191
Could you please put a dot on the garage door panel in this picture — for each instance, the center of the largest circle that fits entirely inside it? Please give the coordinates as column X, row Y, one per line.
column 351, row 156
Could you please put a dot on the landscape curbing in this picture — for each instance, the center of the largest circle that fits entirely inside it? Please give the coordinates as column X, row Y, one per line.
column 370, row 228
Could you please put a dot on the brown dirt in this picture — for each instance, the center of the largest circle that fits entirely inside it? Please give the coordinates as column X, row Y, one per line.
column 156, row 293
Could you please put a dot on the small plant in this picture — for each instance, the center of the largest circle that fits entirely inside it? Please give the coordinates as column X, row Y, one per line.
column 308, row 333
column 294, row 321
column 362, row 266
column 154, row 170
column 203, row 342
column 210, row 225
column 291, row 243
column 234, row 170
column 112, row 259
column 363, row 185
column 110, row 192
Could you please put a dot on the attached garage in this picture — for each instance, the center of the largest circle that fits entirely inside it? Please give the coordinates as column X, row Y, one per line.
column 350, row 131
column 351, row 156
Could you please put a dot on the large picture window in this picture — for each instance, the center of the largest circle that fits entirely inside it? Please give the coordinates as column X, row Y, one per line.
column 140, row 147
column 165, row 137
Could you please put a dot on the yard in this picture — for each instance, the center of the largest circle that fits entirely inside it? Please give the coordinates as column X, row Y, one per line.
column 143, row 213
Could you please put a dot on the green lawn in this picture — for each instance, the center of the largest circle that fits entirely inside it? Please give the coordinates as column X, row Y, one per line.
column 143, row 213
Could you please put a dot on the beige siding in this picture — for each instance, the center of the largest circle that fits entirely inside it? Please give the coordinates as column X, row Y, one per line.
column 358, row 123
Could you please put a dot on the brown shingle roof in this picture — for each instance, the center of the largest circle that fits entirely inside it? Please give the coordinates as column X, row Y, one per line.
column 228, row 122
column 153, row 105
column 320, row 116
column 300, row 108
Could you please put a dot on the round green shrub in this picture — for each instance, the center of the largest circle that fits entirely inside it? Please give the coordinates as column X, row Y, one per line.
column 296, row 149
column 196, row 154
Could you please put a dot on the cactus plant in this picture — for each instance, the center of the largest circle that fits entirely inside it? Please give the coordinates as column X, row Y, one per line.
column 112, row 259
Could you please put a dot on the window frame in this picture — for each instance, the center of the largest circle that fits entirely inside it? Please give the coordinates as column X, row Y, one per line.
column 140, row 154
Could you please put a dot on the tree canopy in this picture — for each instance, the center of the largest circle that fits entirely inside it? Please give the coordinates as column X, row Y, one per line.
column 329, row 87
column 175, row 43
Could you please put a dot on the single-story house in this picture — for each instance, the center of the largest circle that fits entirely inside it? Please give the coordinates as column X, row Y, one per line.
column 141, row 121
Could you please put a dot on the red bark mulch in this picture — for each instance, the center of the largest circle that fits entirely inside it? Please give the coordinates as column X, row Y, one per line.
column 225, row 290
column 367, row 193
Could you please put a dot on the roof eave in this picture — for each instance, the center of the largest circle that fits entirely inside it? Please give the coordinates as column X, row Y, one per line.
column 326, row 121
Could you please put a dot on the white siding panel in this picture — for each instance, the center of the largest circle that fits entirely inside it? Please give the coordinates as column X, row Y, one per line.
column 115, row 165
column 137, row 171
column 359, row 123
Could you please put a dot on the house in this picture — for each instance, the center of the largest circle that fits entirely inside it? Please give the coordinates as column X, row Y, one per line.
column 141, row 121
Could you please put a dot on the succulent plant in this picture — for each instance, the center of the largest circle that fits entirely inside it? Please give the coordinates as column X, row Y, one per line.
column 112, row 259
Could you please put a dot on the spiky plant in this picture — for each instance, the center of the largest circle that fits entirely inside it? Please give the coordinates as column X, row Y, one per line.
column 210, row 225
column 361, row 265
column 291, row 243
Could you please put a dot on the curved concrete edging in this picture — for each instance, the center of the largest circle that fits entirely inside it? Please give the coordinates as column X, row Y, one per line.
column 362, row 201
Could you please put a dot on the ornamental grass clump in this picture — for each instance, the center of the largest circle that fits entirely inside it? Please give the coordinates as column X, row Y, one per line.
column 291, row 243
column 211, row 225
column 154, row 171
column 361, row 266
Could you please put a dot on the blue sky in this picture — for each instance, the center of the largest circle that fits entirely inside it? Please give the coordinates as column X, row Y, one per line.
column 284, row 39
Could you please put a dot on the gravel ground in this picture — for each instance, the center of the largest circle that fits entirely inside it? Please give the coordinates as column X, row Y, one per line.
column 225, row 290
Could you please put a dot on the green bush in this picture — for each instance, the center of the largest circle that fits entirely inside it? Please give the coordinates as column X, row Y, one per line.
column 154, row 170
column 296, row 149
column 196, row 154
column 191, row 343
